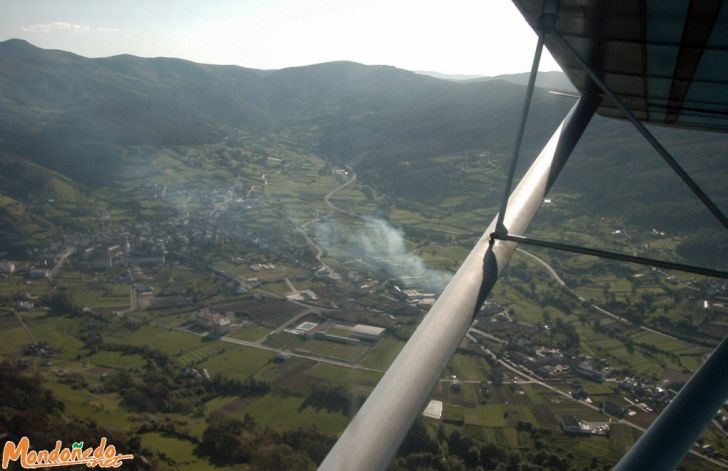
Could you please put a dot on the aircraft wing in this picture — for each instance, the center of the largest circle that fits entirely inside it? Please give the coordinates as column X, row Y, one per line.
column 666, row 60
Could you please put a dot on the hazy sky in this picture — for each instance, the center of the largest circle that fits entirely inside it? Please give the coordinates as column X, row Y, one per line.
column 484, row 37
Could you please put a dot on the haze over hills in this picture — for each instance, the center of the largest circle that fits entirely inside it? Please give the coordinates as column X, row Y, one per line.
column 55, row 103
column 73, row 115
column 453, row 77
column 552, row 80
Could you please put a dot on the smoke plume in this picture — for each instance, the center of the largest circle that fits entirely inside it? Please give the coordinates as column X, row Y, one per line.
column 380, row 241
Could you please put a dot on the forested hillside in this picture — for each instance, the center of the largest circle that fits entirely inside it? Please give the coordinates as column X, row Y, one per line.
column 76, row 116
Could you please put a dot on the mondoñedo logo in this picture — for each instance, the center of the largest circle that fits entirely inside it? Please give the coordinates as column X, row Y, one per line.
column 103, row 456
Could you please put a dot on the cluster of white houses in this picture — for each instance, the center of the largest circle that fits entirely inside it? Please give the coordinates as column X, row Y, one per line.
column 570, row 425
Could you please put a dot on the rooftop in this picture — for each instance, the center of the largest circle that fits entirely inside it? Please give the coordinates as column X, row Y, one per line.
column 306, row 326
column 363, row 329
column 433, row 410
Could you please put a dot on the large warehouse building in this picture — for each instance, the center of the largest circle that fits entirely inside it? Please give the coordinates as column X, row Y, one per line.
column 367, row 332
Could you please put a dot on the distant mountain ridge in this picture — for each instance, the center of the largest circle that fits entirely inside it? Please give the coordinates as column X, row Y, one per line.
column 553, row 80
column 53, row 100
column 71, row 114
column 453, row 77
column 549, row 80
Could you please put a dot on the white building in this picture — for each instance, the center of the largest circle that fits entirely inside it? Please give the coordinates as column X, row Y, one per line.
column 433, row 410
column 306, row 326
column 7, row 267
column 367, row 332
column 301, row 295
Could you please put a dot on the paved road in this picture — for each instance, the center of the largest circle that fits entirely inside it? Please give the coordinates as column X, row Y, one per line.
column 513, row 368
column 307, row 356
column 289, row 284
column 315, row 308
column 677, row 280
column 25, row 327
column 290, row 321
column 54, row 271
column 473, row 329
column 332, row 206
column 319, row 250
column 561, row 282
column 327, row 199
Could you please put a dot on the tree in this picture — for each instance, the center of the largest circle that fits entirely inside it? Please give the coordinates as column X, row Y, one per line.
column 61, row 302
column 280, row 456
column 629, row 345
column 226, row 441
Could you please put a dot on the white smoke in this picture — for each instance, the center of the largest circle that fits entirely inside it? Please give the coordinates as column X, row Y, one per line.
column 379, row 240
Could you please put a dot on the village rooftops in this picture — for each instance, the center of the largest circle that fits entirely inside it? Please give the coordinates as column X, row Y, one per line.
column 569, row 424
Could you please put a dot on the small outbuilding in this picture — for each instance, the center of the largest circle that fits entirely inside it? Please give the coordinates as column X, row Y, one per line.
column 569, row 424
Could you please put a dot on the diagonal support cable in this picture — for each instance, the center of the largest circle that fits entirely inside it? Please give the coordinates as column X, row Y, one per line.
column 644, row 131
column 499, row 227
column 610, row 255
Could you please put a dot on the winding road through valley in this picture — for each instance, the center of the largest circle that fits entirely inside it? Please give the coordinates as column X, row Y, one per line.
column 600, row 309
column 303, row 228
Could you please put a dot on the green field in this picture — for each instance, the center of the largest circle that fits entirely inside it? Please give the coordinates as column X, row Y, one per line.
column 325, row 348
column 60, row 332
column 359, row 380
column 467, row 367
column 253, row 332
column 489, row 415
column 286, row 413
column 383, row 353
column 237, row 361
column 116, row 360
column 103, row 409
column 179, row 451
column 168, row 341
